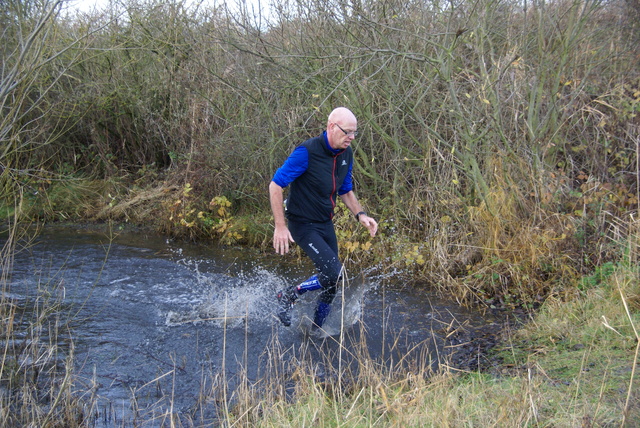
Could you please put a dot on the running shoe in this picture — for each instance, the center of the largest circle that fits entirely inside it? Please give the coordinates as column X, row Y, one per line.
column 286, row 299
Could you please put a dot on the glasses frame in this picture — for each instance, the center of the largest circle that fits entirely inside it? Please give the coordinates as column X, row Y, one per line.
column 347, row 133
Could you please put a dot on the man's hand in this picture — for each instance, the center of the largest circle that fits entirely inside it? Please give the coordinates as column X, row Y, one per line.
column 281, row 239
column 281, row 235
column 369, row 223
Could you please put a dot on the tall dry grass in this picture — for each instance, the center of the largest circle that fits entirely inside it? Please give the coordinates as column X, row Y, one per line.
column 437, row 90
column 573, row 363
column 37, row 355
column 499, row 150
column 462, row 108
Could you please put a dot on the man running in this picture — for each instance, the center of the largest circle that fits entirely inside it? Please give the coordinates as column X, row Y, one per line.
column 317, row 170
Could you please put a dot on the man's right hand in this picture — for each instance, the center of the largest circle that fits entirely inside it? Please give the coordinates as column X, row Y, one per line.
column 281, row 239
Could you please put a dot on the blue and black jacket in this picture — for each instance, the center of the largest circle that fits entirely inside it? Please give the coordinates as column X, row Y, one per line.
column 317, row 174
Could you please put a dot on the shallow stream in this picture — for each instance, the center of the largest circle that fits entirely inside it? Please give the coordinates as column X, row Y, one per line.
column 160, row 326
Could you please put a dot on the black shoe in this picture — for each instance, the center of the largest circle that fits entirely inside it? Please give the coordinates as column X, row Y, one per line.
column 285, row 317
column 286, row 299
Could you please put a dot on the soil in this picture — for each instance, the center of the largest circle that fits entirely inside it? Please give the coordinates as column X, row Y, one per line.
column 475, row 347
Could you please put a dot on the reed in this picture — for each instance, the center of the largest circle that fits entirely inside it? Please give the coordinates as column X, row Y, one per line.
column 573, row 362
column 454, row 108
column 37, row 362
column 499, row 152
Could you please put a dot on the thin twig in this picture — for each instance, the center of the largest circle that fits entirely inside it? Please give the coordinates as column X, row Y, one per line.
column 635, row 358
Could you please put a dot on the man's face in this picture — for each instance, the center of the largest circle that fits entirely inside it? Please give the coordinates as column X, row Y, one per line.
column 342, row 133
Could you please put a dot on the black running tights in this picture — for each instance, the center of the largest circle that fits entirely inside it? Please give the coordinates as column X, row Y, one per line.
column 319, row 242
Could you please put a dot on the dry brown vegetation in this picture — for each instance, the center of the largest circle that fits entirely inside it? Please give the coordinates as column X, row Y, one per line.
column 499, row 140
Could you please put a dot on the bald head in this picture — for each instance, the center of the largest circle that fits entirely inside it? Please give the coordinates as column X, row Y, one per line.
column 340, row 115
column 342, row 127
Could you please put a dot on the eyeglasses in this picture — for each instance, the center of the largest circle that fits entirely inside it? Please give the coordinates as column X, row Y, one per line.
column 347, row 133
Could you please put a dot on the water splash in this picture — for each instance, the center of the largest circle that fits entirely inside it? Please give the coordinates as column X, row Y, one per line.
column 232, row 302
column 249, row 298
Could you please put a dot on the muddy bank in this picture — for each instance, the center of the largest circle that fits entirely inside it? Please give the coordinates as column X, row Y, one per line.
column 475, row 347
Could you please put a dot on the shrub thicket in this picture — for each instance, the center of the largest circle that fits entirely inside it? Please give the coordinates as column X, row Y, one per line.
column 499, row 139
column 499, row 151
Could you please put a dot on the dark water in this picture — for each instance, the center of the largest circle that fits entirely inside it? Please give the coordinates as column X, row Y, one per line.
column 158, row 326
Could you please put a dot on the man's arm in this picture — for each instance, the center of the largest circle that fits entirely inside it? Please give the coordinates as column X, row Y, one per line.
column 354, row 206
column 281, row 235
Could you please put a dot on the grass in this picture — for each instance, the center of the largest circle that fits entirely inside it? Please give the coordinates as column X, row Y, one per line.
column 502, row 164
column 572, row 364
column 36, row 364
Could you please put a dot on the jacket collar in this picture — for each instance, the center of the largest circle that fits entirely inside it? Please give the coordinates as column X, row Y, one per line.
column 328, row 146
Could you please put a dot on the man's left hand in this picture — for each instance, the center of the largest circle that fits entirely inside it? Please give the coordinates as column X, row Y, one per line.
column 369, row 223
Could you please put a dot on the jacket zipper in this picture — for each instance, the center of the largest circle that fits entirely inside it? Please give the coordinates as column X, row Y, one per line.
column 333, row 190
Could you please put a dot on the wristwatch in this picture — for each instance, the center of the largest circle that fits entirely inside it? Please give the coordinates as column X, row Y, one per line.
column 358, row 215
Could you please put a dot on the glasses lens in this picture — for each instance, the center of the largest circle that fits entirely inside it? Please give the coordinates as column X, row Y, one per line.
column 348, row 133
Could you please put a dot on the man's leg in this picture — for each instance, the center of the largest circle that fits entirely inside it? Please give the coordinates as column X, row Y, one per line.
column 319, row 242
column 288, row 297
